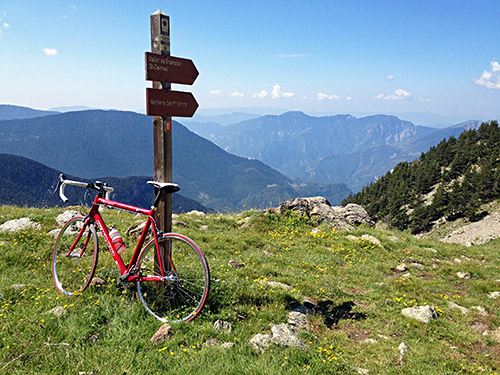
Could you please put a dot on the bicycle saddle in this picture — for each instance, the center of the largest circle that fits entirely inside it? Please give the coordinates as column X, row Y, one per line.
column 165, row 187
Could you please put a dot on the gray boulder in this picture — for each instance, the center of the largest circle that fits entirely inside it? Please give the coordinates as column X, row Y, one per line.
column 318, row 208
column 19, row 224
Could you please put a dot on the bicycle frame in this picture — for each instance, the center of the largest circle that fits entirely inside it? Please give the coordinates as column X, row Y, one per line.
column 95, row 216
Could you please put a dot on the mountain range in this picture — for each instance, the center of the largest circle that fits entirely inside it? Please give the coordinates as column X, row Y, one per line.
column 327, row 149
column 97, row 143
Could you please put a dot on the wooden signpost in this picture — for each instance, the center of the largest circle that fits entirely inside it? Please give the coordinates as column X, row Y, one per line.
column 163, row 103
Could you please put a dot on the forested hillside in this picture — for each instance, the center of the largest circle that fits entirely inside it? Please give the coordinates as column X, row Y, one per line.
column 24, row 182
column 452, row 180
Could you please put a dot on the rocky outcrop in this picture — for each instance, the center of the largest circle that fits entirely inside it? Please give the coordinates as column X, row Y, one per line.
column 318, row 208
column 19, row 224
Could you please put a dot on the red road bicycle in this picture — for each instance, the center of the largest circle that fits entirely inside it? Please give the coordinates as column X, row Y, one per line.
column 169, row 273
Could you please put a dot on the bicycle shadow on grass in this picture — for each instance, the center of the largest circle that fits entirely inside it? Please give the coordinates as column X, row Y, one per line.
column 331, row 314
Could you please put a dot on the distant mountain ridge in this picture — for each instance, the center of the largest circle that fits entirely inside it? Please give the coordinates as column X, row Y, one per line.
column 328, row 149
column 114, row 143
column 24, row 182
column 12, row 112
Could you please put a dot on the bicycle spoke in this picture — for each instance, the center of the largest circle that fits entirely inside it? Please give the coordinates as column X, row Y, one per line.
column 74, row 257
column 178, row 298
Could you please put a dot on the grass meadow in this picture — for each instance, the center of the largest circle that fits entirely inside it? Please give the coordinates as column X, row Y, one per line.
column 359, row 327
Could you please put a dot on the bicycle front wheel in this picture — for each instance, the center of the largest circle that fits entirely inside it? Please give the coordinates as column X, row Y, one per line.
column 179, row 293
column 75, row 256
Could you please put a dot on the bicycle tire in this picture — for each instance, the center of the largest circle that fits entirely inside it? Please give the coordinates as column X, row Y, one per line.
column 73, row 272
column 181, row 295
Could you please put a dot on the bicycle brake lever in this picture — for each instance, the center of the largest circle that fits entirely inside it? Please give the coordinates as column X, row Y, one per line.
column 62, row 177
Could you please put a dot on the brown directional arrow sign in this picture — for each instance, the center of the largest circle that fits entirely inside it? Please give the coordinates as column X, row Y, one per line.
column 164, row 68
column 170, row 103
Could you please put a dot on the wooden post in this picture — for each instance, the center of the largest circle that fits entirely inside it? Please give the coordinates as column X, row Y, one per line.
column 162, row 126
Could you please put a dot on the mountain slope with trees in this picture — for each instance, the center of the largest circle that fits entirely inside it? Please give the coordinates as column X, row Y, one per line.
column 24, row 182
column 450, row 181
column 116, row 143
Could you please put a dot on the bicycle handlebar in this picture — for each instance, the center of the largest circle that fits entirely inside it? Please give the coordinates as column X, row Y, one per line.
column 99, row 186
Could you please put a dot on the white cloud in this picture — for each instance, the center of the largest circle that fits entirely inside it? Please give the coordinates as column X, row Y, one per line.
column 6, row 25
column 399, row 94
column 277, row 93
column 491, row 79
column 322, row 96
column 216, row 92
column 389, row 77
column 237, row 94
column 50, row 51
column 260, row 94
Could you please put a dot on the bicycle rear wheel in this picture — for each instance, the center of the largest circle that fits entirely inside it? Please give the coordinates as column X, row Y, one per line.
column 75, row 256
column 182, row 291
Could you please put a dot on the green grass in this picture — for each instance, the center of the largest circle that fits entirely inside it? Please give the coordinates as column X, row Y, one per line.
column 107, row 331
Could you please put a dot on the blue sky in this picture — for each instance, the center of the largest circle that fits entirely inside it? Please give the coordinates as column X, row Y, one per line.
column 318, row 56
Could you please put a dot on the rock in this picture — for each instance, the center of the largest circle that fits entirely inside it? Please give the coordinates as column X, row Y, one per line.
column 19, row 224
column 401, row 268
column 479, row 328
column 360, row 370
column 236, row 264
column 357, row 215
column 418, row 265
column 222, row 325
column 307, row 307
column 245, row 226
column 403, row 349
column 369, row 341
column 406, row 275
column 424, row 314
column 267, row 253
column 297, row 319
column 457, row 260
column 352, row 238
column 97, row 281
column 284, row 335
column 57, row 311
column 55, row 232
column 179, row 223
column 260, row 342
column 494, row 295
column 211, row 342
column 453, row 305
column 61, row 219
column 496, row 334
column 481, row 310
column 196, row 213
column 162, row 334
column 463, row 275
column 135, row 229
column 431, row 249
column 204, row 227
column 18, row 286
column 372, row 239
column 227, row 345
column 340, row 218
column 276, row 284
